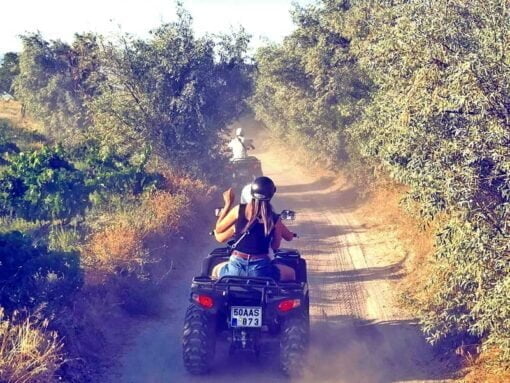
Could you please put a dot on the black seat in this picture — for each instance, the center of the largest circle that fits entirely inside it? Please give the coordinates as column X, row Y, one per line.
column 292, row 258
column 287, row 253
column 215, row 257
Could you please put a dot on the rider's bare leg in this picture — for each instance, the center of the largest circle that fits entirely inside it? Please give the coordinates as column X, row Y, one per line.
column 215, row 274
column 287, row 273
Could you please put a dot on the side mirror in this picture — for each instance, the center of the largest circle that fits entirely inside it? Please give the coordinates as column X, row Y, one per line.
column 217, row 211
column 288, row 215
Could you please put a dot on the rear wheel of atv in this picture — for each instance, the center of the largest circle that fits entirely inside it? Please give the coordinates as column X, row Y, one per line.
column 293, row 345
column 198, row 341
column 307, row 318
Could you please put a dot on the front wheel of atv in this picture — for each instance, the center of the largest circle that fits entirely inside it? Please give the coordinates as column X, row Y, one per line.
column 293, row 345
column 198, row 341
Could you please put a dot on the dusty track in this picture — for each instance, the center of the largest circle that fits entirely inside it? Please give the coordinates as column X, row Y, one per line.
column 358, row 334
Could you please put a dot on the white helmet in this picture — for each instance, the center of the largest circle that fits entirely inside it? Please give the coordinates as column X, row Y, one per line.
column 239, row 131
column 246, row 196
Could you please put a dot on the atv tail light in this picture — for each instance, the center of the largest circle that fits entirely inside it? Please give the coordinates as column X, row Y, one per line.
column 288, row 304
column 203, row 300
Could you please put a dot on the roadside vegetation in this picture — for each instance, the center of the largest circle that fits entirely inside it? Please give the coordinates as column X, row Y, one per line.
column 104, row 155
column 9, row 69
column 417, row 92
column 110, row 143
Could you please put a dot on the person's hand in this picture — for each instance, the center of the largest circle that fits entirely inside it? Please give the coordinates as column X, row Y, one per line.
column 228, row 196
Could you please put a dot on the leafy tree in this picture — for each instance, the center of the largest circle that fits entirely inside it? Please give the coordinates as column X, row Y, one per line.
column 55, row 82
column 174, row 92
column 6, row 146
column 8, row 71
column 436, row 119
column 310, row 89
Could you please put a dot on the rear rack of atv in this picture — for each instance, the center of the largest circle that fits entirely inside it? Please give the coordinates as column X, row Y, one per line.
column 255, row 282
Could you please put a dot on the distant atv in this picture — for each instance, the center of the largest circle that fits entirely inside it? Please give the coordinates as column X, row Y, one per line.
column 248, row 311
column 245, row 170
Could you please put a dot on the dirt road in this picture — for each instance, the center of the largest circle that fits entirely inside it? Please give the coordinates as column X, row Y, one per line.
column 358, row 334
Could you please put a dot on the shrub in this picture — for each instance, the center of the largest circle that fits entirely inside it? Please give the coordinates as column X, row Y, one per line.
column 165, row 211
column 31, row 275
column 44, row 185
column 9, row 69
column 50, row 183
column 29, row 352
column 115, row 249
column 108, row 172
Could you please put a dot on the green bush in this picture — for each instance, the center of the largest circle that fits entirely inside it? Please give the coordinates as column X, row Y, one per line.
column 107, row 172
column 46, row 184
column 32, row 276
column 309, row 89
column 43, row 185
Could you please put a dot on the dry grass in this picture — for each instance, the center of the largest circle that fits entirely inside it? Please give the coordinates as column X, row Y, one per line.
column 487, row 369
column 164, row 211
column 120, row 243
column 385, row 211
column 26, row 133
column 119, row 235
column 28, row 352
column 178, row 183
column 11, row 110
column 114, row 248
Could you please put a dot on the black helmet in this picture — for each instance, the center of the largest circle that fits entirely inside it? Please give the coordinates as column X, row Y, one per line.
column 263, row 189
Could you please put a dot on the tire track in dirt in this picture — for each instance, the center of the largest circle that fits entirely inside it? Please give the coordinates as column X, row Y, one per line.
column 358, row 335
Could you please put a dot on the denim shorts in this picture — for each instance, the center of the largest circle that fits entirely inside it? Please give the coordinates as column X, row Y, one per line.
column 240, row 267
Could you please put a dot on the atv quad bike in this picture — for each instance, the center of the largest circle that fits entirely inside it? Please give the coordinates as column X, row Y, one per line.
column 245, row 170
column 246, row 311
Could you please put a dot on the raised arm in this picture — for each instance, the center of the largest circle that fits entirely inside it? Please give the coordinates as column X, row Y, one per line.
column 225, row 225
column 226, row 219
column 226, row 235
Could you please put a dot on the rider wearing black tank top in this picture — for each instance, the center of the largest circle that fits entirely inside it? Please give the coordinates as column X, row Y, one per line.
column 256, row 241
column 250, row 257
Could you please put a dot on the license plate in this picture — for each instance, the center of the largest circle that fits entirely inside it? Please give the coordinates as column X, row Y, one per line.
column 246, row 316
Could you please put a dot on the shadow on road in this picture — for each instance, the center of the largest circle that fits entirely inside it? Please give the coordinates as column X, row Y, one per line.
column 389, row 272
column 341, row 198
column 320, row 184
